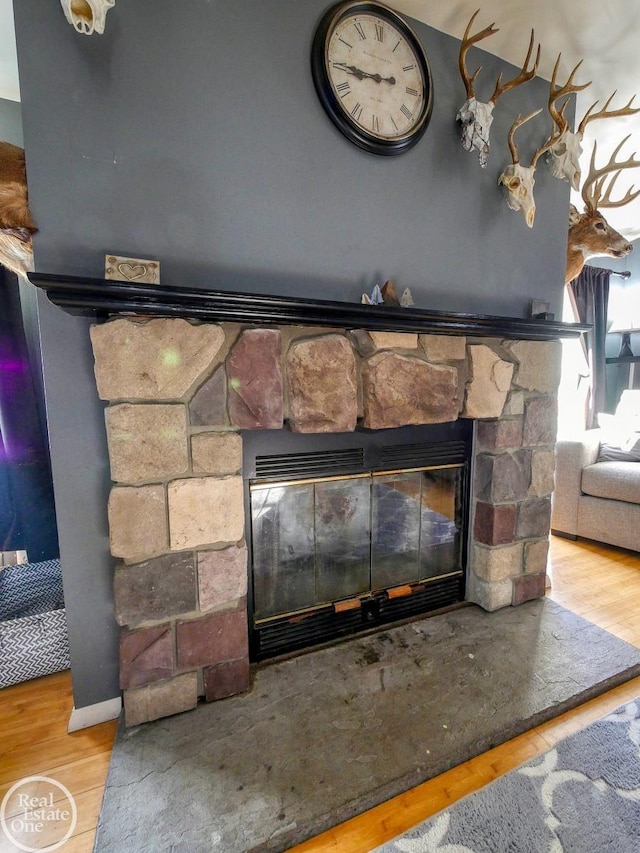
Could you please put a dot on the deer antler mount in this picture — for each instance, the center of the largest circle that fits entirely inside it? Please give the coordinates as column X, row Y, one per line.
column 590, row 235
column 564, row 159
column 476, row 116
column 518, row 180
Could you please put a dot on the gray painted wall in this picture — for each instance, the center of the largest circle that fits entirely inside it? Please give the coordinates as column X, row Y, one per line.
column 191, row 133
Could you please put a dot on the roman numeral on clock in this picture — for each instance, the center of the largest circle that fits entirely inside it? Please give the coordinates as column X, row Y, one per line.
column 404, row 109
column 360, row 30
column 356, row 112
column 411, row 91
column 375, row 125
column 379, row 33
column 343, row 89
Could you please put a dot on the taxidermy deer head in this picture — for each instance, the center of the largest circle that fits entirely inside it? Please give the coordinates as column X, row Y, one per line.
column 590, row 234
column 87, row 16
column 517, row 179
column 475, row 116
column 16, row 224
column 565, row 154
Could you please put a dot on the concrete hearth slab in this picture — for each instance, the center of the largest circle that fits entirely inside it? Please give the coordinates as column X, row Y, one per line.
column 331, row 733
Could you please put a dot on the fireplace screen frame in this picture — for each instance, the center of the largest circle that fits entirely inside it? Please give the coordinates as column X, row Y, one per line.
column 278, row 457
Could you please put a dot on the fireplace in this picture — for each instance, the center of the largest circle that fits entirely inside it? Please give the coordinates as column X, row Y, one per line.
column 191, row 376
column 353, row 530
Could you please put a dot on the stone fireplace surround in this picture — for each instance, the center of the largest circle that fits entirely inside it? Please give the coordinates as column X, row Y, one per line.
column 178, row 392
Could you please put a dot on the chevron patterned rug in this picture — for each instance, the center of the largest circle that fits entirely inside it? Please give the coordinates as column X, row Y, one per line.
column 582, row 796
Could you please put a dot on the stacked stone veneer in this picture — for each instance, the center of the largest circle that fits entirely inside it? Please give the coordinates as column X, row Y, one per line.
column 178, row 393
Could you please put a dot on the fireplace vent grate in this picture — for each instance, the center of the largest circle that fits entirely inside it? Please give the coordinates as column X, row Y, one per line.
column 433, row 596
column 428, row 453
column 311, row 464
column 354, row 460
column 284, row 635
column 317, row 627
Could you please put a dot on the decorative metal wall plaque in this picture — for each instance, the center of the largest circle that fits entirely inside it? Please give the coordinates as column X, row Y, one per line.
column 135, row 270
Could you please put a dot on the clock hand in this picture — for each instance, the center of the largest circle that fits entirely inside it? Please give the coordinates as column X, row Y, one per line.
column 351, row 69
column 379, row 79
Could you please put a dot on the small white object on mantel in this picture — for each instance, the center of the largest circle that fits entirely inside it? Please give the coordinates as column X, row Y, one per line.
column 87, row 16
column 406, row 300
column 138, row 270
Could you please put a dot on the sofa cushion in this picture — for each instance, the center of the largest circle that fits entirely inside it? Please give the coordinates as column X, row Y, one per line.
column 618, row 481
column 620, row 438
column 620, row 452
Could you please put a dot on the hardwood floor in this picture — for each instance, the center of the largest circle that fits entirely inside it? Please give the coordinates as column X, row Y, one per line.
column 34, row 741
column 600, row 583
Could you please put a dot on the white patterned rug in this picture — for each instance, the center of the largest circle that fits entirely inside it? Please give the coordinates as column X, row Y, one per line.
column 582, row 796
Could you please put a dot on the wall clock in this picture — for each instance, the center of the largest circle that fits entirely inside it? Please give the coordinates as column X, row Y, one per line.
column 372, row 76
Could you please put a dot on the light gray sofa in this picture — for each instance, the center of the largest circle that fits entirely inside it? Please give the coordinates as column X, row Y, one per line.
column 596, row 499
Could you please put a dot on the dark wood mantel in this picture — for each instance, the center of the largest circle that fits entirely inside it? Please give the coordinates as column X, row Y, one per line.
column 101, row 298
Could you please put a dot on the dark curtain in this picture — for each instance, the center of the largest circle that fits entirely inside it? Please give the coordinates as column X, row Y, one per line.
column 589, row 294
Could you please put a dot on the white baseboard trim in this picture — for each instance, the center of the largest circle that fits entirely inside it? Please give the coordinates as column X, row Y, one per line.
column 92, row 715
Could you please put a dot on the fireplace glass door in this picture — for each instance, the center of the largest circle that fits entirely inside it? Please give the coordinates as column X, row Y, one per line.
column 323, row 541
column 416, row 526
column 350, row 531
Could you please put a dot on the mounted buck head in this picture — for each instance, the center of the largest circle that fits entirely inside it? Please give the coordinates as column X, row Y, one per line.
column 565, row 154
column 590, row 234
column 16, row 224
column 475, row 116
column 87, row 16
column 517, row 179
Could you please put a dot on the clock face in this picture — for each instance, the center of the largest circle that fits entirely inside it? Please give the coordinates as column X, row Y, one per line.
column 372, row 76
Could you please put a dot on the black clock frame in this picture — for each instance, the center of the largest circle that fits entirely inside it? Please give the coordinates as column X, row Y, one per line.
column 331, row 102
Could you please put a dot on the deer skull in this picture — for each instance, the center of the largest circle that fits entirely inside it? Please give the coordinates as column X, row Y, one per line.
column 518, row 182
column 564, row 158
column 475, row 119
column 87, row 16
column 564, row 154
column 517, row 179
column 475, row 116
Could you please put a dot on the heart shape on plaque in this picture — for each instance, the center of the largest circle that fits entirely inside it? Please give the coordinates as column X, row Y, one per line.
column 132, row 271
